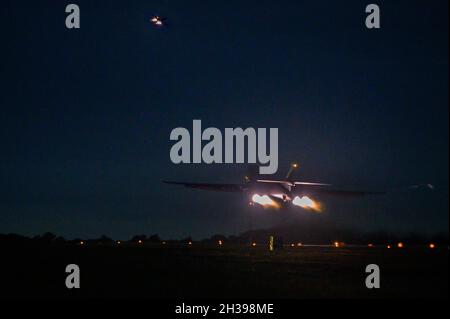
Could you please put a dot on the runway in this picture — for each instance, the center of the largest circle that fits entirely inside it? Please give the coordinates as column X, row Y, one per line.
column 238, row 271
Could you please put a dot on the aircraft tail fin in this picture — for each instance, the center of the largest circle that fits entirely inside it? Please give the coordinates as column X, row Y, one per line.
column 293, row 167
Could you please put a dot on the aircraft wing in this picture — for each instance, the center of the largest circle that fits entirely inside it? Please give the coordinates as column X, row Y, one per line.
column 345, row 193
column 288, row 182
column 359, row 193
column 233, row 188
column 311, row 184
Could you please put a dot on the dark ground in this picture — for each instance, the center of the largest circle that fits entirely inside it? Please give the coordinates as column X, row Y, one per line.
column 208, row 271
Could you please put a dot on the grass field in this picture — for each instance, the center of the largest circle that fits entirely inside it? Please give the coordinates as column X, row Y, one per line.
column 208, row 271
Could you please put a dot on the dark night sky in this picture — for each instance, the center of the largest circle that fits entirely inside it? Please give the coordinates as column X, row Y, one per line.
column 86, row 114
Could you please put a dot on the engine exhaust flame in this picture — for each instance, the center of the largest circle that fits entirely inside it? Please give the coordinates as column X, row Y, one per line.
column 264, row 200
column 307, row 203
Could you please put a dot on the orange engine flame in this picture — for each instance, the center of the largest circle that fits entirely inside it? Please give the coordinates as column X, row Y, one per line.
column 264, row 200
column 307, row 203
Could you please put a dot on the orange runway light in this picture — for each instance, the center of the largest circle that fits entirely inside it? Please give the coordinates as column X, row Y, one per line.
column 336, row 244
column 400, row 245
column 432, row 246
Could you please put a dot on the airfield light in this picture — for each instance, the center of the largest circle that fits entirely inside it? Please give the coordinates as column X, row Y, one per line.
column 292, row 245
column 164, row 243
column 432, row 246
column 388, row 246
column 336, row 244
column 119, row 242
column 370, row 245
column 254, row 244
column 190, row 243
column 220, row 243
column 299, row 245
column 81, row 242
column 295, row 165
column 400, row 245
column 140, row 241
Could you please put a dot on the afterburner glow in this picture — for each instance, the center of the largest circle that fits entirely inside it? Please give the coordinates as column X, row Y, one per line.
column 307, row 203
column 263, row 200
